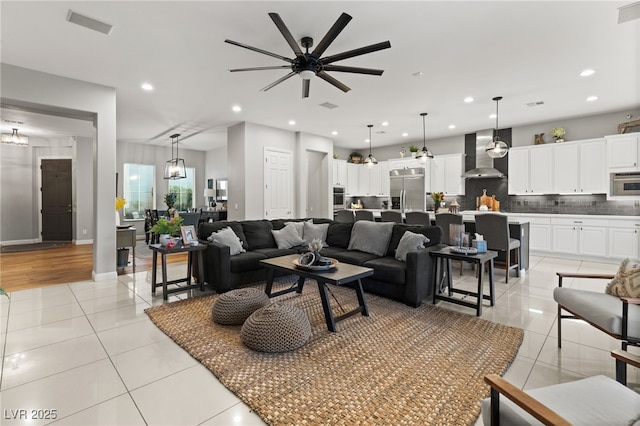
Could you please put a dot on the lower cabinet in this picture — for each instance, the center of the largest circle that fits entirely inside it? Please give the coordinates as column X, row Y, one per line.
column 623, row 240
column 539, row 233
column 580, row 236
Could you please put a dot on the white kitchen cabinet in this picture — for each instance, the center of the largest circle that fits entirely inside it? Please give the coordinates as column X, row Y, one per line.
column 623, row 239
column 580, row 236
column 352, row 179
column 531, row 170
column 539, row 233
column 384, row 177
column 447, row 174
column 579, row 168
column 375, row 180
column 622, row 152
column 339, row 173
column 363, row 180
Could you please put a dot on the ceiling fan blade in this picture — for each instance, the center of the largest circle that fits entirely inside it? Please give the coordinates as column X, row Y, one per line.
column 278, row 81
column 326, row 77
column 331, row 35
column 255, row 49
column 356, row 52
column 286, row 33
column 358, row 70
column 275, row 67
column 305, row 88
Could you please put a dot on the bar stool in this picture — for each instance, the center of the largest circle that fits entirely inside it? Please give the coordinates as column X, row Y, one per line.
column 391, row 216
column 495, row 229
column 364, row 215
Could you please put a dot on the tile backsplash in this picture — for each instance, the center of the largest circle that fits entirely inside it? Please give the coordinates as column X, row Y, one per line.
column 573, row 204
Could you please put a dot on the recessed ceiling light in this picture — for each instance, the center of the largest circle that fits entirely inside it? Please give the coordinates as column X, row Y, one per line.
column 452, row 126
column 592, row 98
column 385, row 123
column 147, row 86
column 335, row 132
column 587, row 73
column 468, row 99
column 405, row 134
column 492, row 116
column 367, row 140
column 292, row 122
column 236, row 108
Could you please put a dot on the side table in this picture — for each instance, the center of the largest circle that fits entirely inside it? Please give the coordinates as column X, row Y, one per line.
column 164, row 251
column 126, row 237
column 443, row 258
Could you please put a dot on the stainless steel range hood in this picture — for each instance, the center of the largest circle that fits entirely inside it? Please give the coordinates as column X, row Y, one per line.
column 484, row 164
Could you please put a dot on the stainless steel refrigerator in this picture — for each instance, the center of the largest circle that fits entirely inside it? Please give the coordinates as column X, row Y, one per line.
column 407, row 189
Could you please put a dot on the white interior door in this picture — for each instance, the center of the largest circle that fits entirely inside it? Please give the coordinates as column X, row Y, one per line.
column 278, row 184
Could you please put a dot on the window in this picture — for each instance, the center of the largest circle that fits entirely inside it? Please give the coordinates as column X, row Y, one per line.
column 184, row 189
column 138, row 189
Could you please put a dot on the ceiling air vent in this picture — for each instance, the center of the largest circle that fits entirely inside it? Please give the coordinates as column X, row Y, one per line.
column 535, row 104
column 85, row 21
column 329, row 105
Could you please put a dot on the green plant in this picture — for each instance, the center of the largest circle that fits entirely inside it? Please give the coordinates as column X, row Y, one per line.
column 164, row 226
column 413, row 148
column 4, row 293
column 170, row 199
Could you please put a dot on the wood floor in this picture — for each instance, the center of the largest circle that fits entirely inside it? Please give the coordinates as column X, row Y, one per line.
column 22, row 271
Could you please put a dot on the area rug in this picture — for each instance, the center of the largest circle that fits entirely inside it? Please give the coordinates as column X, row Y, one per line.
column 399, row 366
column 19, row 248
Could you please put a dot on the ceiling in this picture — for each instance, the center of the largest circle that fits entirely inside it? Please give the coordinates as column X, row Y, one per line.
column 441, row 52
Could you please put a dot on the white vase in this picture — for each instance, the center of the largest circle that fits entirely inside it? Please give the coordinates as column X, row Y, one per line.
column 117, row 218
column 164, row 239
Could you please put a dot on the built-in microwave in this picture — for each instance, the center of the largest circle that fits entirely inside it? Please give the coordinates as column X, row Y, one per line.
column 625, row 184
column 338, row 198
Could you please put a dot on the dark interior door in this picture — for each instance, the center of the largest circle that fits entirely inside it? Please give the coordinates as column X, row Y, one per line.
column 56, row 200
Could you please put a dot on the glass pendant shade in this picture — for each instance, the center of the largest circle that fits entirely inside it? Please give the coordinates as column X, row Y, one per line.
column 370, row 160
column 497, row 148
column 174, row 168
column 424, row 153
column 14, row 138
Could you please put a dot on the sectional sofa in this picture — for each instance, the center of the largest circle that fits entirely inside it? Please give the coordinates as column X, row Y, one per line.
column 410, row 281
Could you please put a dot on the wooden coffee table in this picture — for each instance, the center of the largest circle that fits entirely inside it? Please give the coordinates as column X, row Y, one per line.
column 344, row 273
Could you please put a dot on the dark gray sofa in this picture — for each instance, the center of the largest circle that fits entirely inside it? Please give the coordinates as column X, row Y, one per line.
column 410, row 282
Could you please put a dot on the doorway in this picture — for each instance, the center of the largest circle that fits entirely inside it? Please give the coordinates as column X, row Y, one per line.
column 57, row 200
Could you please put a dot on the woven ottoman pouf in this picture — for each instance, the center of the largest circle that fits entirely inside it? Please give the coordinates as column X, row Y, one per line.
column 278, row 327
column 235, row 306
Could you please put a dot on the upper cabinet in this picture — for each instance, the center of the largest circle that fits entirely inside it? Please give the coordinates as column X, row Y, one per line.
column 339, row 173
column 447, row 174
column 622, row 152
column 352, row 179
column 531, row 170
column 579, row 167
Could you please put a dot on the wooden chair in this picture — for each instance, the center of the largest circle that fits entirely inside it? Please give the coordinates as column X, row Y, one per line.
column 345, row 216
column 364, row 215
column 495, row 229
column 417, row 218
column 391, row 216
column 619, row 317
column 597, row 400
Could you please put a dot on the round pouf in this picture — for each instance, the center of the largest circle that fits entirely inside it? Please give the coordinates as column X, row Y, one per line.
column 276, row 328
column 235, row 306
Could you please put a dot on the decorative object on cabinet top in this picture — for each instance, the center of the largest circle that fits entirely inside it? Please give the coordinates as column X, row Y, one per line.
column 558, row 133
column 629, row 125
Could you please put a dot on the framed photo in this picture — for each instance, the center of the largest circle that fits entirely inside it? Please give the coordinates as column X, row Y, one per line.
column 188, row 234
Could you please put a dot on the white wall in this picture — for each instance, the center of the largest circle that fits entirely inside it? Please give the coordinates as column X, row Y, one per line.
column 315, row 171
column 48, row 92
column 215, row 167
column 83, row 189
column 236, row 172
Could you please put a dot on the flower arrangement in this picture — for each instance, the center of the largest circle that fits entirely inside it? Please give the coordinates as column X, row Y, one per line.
column 120, row 202
column 438, row 197
column 315, row 245
column 558, row 132
column 170, row 227
column 413, row 148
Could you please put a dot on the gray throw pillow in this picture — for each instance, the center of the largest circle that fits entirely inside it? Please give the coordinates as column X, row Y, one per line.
column 313, row 231
column 371, row 237
column 410, row 241
column 299, row 226
column 287, row 237
column 229, row 238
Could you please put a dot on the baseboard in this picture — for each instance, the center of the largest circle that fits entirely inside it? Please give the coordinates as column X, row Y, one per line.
column 16, row 242
column 83, row 242
column 106, row 276
column 568, row 256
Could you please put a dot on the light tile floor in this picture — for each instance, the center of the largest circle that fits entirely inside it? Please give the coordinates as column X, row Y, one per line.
column 88, row 351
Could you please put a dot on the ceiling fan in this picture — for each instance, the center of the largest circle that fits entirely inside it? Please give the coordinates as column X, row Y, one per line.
column 306, row 64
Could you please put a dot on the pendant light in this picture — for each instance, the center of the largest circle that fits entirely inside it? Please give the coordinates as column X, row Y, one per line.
column 14, row 138
column 174, row 168
column 424, row 152
column 370, row 161
column 497, row 148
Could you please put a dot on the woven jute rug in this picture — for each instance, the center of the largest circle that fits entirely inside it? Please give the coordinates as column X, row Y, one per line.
column 399, row 366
